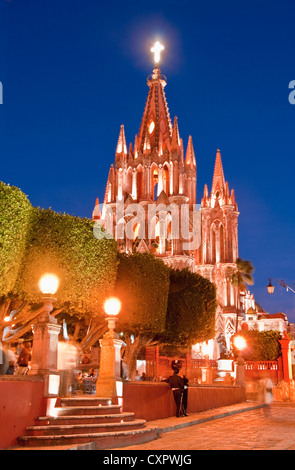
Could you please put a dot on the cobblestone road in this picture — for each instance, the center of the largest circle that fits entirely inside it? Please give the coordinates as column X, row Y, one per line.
column 250, row 430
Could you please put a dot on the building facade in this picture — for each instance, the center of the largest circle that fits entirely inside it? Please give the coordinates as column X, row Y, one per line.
column 150, row 205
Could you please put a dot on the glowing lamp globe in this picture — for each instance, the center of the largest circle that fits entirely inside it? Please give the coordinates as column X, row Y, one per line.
column 48, row 284
column 112, row 306
column 270, row 287
column 240, row 342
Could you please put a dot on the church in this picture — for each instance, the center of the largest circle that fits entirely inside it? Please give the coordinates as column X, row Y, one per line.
column 150, row 205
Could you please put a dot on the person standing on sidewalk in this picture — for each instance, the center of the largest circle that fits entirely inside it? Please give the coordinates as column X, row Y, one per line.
column 177, row 387
column 266, row 394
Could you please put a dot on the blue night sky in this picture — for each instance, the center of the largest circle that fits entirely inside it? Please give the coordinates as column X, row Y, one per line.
column 74, row 71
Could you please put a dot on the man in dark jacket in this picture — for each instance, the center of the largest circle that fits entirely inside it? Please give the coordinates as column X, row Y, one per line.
column 177, row 387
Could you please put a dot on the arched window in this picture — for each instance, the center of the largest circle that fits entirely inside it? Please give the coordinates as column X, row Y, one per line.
column 221, row 241
column 166, row 179
column 129, row 181
column 217, row 242
column 213, row 245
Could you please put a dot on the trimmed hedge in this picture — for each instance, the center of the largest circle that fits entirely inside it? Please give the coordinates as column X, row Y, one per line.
column 191, row 309
column 15, row 218
column 142, row 285
column 65, row 245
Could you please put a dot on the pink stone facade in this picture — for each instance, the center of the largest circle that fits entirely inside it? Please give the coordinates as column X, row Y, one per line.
column 157, row 170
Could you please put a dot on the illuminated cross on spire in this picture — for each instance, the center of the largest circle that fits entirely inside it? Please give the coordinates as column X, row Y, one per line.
column 156, row 49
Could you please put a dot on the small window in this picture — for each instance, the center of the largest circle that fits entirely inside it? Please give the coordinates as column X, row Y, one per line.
column 151, row 127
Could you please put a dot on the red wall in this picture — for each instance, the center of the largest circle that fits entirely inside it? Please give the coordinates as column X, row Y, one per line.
column 152, row 400
column 21, row 401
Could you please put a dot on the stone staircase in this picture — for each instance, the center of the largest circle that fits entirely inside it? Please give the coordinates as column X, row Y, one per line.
column 82, row 421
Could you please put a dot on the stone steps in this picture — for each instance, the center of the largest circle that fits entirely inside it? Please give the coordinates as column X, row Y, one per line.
column 101, row 440
column 84, row 419
column 65, row 429
column 88, row 410
column 87, row 420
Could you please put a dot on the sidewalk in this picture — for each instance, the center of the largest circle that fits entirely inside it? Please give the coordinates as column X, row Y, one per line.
column 173, row 423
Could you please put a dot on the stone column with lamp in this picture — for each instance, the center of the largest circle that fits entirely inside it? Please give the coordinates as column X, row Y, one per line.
column 45, row 345
column 109, row 382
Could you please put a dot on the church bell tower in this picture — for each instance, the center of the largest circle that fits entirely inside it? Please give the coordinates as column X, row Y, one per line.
column 157, row 172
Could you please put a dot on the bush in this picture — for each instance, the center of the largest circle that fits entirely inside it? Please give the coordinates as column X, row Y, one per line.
column 65, row 245
column 191, row 309
column 142, row 285
column 15, row 217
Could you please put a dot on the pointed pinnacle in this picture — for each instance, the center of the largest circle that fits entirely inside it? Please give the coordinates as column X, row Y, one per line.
column 190, row 158
column 121, row 145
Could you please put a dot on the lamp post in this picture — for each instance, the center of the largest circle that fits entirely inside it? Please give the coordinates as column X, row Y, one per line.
column 271, row 288
column 46, row 331
column 240, row 344
column 109, row 383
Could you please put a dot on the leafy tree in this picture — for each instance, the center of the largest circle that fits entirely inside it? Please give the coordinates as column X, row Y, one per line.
column 191, row 309
column 65, row 245
column 243, row 275
column 241, row 278
column 142, row 286
column 86, row 267
column 15, row 216
column 261, row 345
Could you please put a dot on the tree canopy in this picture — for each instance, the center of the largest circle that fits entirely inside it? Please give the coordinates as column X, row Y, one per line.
column 34, row 241
column 65, row 245
column 191, row 309
column 142, row 285
column 243, row 275
column 15, row 218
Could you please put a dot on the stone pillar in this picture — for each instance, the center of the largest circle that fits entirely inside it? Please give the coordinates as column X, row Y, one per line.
column 286, row 357
column 109, row 383
column 240, row 371
column 45, row 348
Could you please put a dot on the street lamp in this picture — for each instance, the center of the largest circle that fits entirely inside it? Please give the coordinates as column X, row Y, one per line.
column 48, row 284
column 112, row 307
column 45, row 344
column 240, row 342
column 270, row 287
column 109, row 382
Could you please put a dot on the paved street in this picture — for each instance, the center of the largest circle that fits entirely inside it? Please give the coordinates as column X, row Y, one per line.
column 250, row 430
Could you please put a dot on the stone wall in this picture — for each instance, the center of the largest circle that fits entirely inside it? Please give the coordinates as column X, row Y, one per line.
column 154, row 400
